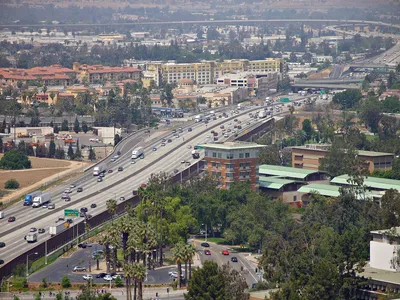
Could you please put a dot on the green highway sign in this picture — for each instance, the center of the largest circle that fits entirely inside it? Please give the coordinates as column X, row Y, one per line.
column 71, row 213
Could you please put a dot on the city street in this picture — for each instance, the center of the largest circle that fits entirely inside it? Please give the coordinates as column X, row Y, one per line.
column 243, row 265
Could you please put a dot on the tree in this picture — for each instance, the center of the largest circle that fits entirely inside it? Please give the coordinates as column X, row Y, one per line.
column 60, row 153
column 119, row 282
column 178, row 252
column 390, row 203
column 308, row 129
column 112, row 207
column 347, row 99
column 56, row 129
column 78, row 153
column 64, row 125
column 70, row 152
column 11, row 184
column 167, row 95
column 52, row 149
column 117, row 139
column 85, row 127
column 15, row 160
column 92, row 154
column 188, row 252
column 139, row 274
column 65, row 281
column 390, row 126
column 77, row 127
column 370, row 113
column 1, row 144
column 207, row 283
column 235, row 284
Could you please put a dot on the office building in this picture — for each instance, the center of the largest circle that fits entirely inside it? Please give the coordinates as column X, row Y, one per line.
column 232, row 162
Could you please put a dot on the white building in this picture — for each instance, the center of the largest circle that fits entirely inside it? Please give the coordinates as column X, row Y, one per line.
column 107, row 134
column 383, row 248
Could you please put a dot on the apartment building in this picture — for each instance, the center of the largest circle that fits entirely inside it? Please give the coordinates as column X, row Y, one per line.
column 232, row 162
column 52, row 75
column 101, row 74
column 206, row 72
column 310, row 157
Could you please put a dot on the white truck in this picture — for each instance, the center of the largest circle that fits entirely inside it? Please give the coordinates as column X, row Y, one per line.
column 100, row 168
column 198, row 118
column 195, row 154
column 239, row 106
column 31, row 237
column 54, row 230
column 212, row 113
column 262, row 114
column 1, row 214
column 41, row 200
column 138, row 152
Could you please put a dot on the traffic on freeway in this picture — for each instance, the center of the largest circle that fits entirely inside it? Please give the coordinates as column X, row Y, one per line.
column 161, row 153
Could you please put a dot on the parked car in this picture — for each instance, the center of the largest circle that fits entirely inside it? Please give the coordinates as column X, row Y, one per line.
column 225, row 252
column 82, row 245
column 87, row 277
column 101, row 275
column 108, row 277
column 79, row 269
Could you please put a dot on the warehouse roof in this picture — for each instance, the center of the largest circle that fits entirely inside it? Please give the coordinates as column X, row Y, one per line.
column 322, row 189
column 275, row 183
column 370, row 182
column 289, row 172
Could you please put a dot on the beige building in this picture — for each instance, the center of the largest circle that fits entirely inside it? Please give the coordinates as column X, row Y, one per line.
column 310, row 157
column 206, row 72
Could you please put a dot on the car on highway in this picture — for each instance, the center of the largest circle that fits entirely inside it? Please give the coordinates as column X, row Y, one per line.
column 51, row 206
column 70, row 221
column 64, row 196
column 79, row 269
column 110, row 171
column 11, row 219
column 33, row 229
column 121, row 198
column 101, row 275
column 99, row 179
column 225, row 252
column 84, row 209
column 102, row 175
column 195, row 148
column 73, row 185
column 154, row 149
column 1, row 261
column 205, row 244
column 108, row 277
column 93, row 205
column 68, row 191
column 2, row 244
column 41, row 230
column 169, row 141
column 60, row 219
column 207, row 252
column 226, row 135
column 189, row 146
column 80, row 189
column 163, row 140
column 87, row 277
column 177, row 135
column 173, row 131
column 120, row 169
column 162, row 144
column 66, row 199
column 189, row 129
column 234, row 259
column 143, row 185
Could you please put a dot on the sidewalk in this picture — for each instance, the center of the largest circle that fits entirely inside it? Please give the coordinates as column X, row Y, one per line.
column 120, row 294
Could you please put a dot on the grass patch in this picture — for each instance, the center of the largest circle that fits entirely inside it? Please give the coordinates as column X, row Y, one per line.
column 371, row 138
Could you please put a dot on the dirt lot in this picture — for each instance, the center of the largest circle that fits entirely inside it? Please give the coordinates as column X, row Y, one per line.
column 39, row 163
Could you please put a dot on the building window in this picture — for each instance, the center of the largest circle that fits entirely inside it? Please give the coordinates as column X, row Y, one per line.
column 247, row 165
column 214, row 164
column 206, row 153
column 229, row 156
column 247, row 155
column 241, row 155
column 214, row 154
column 219, row 155
column 229, row 166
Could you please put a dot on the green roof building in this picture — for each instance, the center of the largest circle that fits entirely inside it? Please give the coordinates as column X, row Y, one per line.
column 292, row 173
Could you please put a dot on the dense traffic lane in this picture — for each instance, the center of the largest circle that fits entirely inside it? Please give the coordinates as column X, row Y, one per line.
column 128, row 182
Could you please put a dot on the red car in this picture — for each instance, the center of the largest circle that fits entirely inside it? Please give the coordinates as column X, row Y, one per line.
column 11, row 219
column 225, row 252
column 207, row 252
column 143, row 185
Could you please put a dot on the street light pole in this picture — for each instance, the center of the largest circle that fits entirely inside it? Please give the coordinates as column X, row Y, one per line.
column 27, row 263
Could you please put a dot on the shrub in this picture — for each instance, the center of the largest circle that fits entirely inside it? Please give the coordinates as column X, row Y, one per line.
column 65, row 281
column 11, row 184
column 119, row 282
column 15, row 160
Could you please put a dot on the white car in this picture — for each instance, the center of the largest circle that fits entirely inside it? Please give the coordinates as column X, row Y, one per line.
column 87, row 277
column 68, row 191
column 108, row 277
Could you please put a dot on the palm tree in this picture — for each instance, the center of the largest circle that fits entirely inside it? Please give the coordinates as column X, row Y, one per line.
column 139, row 275
column 44, row 89
column 97, row 257
column 106, row 240
column 178, row 252
column 112, row 207
column 129, row 275
column 189, row 252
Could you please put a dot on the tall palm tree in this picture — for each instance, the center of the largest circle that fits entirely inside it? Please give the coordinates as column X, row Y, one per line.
column 139, row 275
column 112, row 208
column 106, row 240
column 129, row 276
column 189, row 252
column 97, row 257
column 178, row 252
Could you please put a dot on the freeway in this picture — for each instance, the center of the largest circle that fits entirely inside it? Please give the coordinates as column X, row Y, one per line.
column 205, row 22
column 115, row 185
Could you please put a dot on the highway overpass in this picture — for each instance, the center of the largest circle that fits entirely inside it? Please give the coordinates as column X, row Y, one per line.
column 297, row 86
